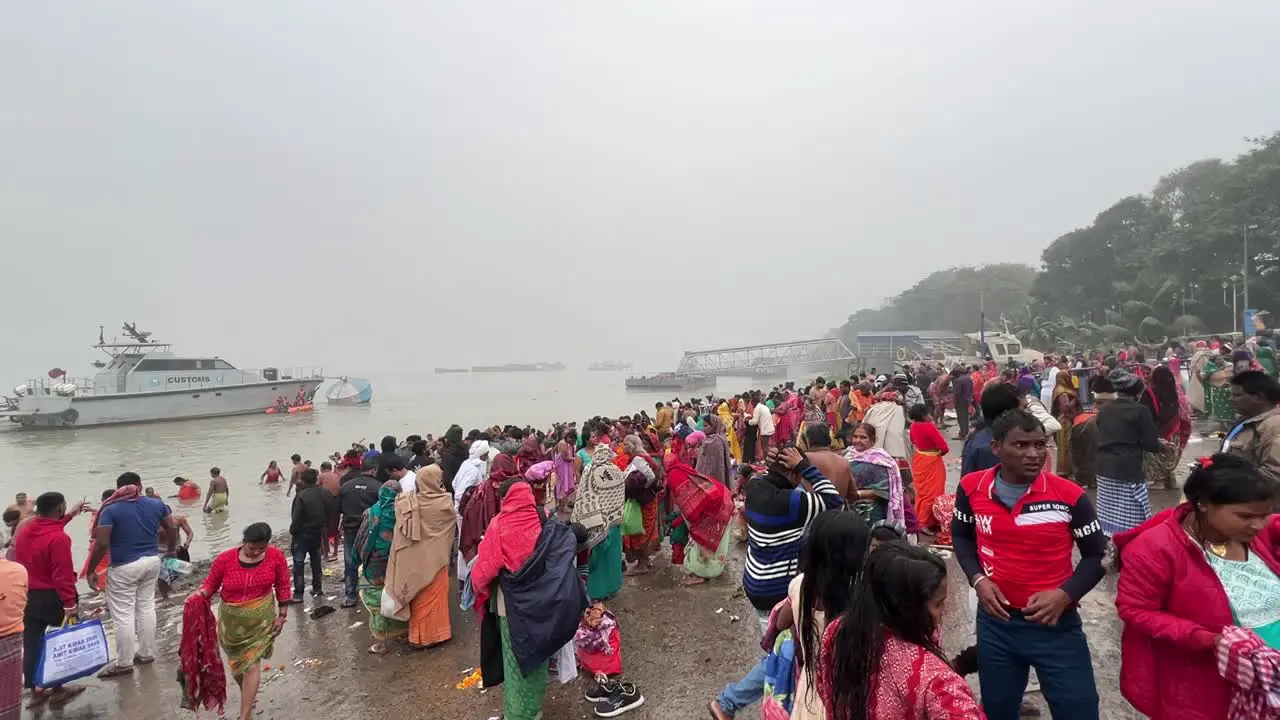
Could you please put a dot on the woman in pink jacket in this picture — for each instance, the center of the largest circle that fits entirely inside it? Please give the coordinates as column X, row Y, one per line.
column 1187, row 573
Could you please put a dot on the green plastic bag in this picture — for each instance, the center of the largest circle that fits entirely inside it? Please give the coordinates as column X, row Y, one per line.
column 632, row 518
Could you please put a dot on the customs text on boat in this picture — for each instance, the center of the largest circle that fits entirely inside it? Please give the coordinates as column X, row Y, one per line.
column 144, row 381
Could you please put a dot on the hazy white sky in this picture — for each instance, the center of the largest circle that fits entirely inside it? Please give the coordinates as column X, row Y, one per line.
column 381, row 185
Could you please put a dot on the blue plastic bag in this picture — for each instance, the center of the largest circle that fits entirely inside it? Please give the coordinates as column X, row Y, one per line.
column 71, row 652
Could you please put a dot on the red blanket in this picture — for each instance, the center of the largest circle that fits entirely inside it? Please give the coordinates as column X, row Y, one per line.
column 706, row 504
column 199, row 662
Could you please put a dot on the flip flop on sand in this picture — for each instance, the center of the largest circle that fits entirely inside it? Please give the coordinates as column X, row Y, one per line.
column 113, row 670
column 64, row 695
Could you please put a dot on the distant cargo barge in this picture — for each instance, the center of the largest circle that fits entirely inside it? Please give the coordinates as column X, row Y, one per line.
column 518, row 367
column 670, row 381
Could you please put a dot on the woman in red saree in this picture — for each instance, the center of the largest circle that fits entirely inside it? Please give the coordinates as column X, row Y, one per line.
column 707, row 508
column 882, row 658
column 928, row 468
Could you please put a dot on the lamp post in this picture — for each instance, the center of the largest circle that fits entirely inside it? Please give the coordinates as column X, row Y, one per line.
column 1235, row 311
column 1244, row 267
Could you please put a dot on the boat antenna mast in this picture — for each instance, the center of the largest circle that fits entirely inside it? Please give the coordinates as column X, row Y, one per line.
column 133, row 339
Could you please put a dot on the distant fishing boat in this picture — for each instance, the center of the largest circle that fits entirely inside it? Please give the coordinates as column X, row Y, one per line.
column 349, row 391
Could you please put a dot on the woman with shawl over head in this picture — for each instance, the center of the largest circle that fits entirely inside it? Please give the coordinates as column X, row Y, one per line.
column 1065, row 407
column 714, row 459
column 813, row 415
column 418, row 567
column 253, row 580
column 706, row 507
column 783, row 430
column 482, row 506
column 725, row 412
column 1215, row 375
column 529, row 454
column 644, row 486
column 1163, row 397
column 373, row 547
column 598, row 508
column 508, row 543
column 877, row 476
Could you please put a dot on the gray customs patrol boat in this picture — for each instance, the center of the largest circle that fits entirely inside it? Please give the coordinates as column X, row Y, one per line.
column 144, row 381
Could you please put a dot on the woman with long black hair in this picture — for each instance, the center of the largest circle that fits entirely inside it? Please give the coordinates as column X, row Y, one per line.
column 830, row 564
column 882, row 658
column 1172, row 414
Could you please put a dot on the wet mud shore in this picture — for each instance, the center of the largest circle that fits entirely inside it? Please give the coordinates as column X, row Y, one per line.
column 679, row 644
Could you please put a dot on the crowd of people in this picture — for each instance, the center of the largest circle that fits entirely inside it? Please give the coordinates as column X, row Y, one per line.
column 839, row 490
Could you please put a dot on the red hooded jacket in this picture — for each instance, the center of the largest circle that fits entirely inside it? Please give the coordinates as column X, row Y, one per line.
column 43, row 547
column 1173, row 606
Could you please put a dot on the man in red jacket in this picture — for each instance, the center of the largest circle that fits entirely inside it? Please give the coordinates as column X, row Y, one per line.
column 44, row 549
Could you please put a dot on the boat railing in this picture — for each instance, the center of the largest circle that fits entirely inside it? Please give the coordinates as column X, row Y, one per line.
column 47, row 385
column 290, row 373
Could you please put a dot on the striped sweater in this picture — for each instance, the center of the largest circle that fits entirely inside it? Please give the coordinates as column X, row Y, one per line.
column 777, row 515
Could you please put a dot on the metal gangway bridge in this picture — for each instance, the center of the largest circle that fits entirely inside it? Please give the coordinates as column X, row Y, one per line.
column 760, row 359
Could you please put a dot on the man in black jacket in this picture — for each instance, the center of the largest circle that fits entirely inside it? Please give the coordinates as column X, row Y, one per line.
column 1126, row 430
column 311, row 509
column 962, row 391
column 359, row 491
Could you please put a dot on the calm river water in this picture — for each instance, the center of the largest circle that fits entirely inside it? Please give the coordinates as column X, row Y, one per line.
column 82, row 463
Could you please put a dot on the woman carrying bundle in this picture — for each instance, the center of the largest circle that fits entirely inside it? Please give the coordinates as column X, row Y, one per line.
column 254, row 582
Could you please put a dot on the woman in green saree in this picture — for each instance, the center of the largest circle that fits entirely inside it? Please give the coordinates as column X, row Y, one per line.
column 373, row 544
column 598, row 508
column 1215, row 377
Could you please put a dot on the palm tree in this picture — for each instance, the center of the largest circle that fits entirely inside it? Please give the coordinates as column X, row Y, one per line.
column 1032, row 329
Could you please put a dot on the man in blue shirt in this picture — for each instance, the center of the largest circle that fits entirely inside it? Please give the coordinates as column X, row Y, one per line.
column 997, row 399
column 130, row 526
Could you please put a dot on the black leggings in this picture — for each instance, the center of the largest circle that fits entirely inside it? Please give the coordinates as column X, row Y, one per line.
column 44, row 610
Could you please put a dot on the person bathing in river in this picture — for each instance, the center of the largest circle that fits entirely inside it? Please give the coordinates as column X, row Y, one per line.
column 26, row 507
column 271, row 474
column 216, row 499
column 331, row 481
column 187, row 489
column 167, row 575
column 295, row 477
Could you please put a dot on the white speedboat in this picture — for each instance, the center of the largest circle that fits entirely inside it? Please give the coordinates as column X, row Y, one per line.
column 145, row 381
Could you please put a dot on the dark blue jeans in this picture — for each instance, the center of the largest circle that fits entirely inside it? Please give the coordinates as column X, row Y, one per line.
column 301, row 548
column 1059, row 653
column 350, row 571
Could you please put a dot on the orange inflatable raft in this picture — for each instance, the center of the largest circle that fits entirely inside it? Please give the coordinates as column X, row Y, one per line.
column 297, row 409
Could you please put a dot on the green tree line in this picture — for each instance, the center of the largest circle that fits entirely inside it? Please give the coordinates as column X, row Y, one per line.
column 1150, row 267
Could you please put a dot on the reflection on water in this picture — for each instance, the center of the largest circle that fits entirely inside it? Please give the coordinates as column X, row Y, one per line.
column 83, row 463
